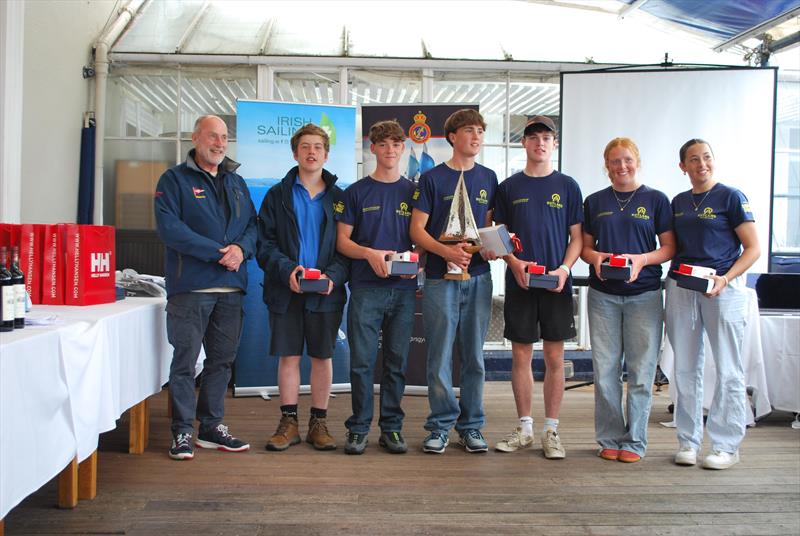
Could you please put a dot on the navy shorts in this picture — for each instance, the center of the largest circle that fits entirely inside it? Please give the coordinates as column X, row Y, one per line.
column 298, row 327
column 537, row 313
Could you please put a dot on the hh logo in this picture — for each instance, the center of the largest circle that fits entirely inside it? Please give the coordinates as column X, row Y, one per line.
column 100, row 264
column 641, row 213
column 555, row 201
column 481, row 199
column 403, row 210
column 199, row 193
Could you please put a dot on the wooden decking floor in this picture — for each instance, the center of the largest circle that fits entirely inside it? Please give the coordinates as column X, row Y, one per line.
column 304, row 492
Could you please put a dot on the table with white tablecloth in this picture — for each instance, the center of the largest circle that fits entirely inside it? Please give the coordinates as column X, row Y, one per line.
column 780, row 341
column 62, row 385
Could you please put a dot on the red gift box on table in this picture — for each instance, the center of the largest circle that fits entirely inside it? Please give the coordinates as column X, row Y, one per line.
column 538, row 278
column 52, row 291
column 89, row 258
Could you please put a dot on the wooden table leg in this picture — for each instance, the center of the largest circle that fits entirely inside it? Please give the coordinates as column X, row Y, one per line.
column 2, row 527
column 87, row 478
column 137, row 439
column 68, row 485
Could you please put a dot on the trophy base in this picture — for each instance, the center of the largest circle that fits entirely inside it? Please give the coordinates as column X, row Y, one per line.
column 463, row 276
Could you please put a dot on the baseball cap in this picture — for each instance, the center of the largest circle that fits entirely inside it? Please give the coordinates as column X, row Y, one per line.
column 540, row 120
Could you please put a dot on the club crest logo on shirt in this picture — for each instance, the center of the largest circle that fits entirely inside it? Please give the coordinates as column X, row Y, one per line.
column 199, row 193
column 641, row 214
column 403, row 210
column 482, row 198
column 555, row 201
column 338, row 207
column 746, row 207
column 419, row 132
column 707, row 214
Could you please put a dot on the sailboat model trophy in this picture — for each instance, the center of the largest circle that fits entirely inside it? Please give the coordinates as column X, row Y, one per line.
column 460, row 227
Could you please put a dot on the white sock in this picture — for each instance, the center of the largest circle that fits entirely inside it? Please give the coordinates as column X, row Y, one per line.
column 526, row 424
column 550, row 424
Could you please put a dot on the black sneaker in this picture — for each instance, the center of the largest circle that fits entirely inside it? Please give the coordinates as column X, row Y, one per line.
column 393, row 442
column 182, row 447
column 219, row 438
column 356, row 443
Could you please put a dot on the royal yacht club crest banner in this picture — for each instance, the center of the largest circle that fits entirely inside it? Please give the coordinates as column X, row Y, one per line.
column 263, row 133
column 426, row 147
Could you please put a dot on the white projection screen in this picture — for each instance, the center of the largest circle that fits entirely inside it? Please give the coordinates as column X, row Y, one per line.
column 732, row 108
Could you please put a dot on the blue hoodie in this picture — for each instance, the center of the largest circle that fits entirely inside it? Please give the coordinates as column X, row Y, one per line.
column 192, row 225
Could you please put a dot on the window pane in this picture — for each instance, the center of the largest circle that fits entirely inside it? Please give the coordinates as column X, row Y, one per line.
column 489, row 91
column 314, row 88
column 131, row 170
column 214, row 90
column 141, row 102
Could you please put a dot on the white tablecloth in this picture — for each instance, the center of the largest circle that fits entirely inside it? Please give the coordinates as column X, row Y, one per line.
column 780, row 340
column 755, row 377
column 63, row 385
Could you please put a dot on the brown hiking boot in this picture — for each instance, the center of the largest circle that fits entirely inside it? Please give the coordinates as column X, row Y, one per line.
column 318, row 434
column 286, row 435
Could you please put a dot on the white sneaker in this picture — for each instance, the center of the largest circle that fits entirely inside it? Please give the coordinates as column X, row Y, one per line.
column 686, row 456
column 720, row 460
column 514, row 441
column 551, row 445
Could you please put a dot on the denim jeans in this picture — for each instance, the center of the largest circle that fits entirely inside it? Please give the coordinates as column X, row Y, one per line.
column 213, row 320
column 371, row 311
column 723, row 318
column 456, row 311
column 624, row 329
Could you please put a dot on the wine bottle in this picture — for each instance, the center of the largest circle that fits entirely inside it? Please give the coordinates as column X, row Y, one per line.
column 6, row 294
column 18, row 282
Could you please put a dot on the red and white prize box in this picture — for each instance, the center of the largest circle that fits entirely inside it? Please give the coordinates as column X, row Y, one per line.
column 539, row 278
column 616, row 267
column 405, row 263
column 695, row 277
column 311, row 281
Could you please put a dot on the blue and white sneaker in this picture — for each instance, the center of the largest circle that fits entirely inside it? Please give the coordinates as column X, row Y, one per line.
column 435, row 443
column 220, row 439
column 473, row 441
column 182, row 447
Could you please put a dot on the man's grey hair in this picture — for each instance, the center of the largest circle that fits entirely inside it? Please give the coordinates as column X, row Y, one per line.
column 200, row 120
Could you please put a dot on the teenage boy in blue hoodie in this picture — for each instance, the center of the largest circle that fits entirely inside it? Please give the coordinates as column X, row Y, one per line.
column 296, row 232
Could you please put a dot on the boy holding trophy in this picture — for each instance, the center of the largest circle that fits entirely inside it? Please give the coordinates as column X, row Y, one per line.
column 459, row 308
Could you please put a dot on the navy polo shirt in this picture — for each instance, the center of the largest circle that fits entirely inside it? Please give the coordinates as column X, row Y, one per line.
column 705, row 227
column 631, row 230
column 540, row 211
column 380, row 214
column 434, row 196
column 309, row 214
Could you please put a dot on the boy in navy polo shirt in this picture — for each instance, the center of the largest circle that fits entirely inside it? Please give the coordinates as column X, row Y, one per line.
column 544, row 208
column 297, row 231
column 455, row 310
column 374, row 224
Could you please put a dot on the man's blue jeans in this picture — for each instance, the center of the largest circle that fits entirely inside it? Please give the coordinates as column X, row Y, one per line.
column 624, row 329
column 371, row 311
column 456, row 311
column 213, row 320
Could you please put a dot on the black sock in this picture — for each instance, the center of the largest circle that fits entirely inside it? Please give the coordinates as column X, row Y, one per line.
column 318, row 413
column 289, row 410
